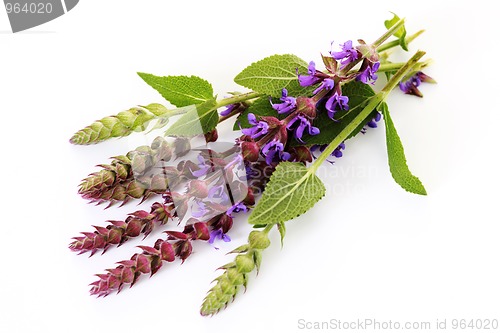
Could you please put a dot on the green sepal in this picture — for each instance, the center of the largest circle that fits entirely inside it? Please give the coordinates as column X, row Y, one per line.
column 400, row 33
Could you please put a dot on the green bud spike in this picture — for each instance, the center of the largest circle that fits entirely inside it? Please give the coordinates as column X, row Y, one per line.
column 123, row 124
column 236, row 273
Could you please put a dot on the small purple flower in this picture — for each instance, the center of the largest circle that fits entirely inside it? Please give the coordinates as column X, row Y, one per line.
column 289, row 103
column 239, row 207
column 336, row 153
column 335, row 103
column 274, row 150
column 236, row 161
column 258, row 128
column 410, row 87
column 373, row 123
column 311, row 79
column 218, row 192
column 202, row 210
column 229, row 108
column 347, row 55
column 368, row 74
column 303, row 124
column 218, row 233
column 327, row 84
column 203, row 170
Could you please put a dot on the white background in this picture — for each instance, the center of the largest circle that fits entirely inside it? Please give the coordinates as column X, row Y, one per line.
column 367, row 250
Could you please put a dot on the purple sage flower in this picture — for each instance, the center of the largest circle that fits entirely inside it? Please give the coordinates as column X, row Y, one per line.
column 289, row 103
column 311, row 79
column 327, row 84
column 218, row 192
column 274, row 150
column 368, row 74
column 336, row 153
column 410, row 86
column 299, row 124
column 335, row 103
column 258, row 129
column 202, row 210
column 373, row 123
column 239, row 207
column 203, row 167
column 347, row 55
column 229, row 108
column 218, row 234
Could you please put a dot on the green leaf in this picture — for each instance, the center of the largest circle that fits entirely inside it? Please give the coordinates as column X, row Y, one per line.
column 199, row 119
column 291, row 191
column 282, row 230
column 180, row 90
column 359, row 95
column 401, row 33
column 260, row 107
column 270, row 75
column 397, row 160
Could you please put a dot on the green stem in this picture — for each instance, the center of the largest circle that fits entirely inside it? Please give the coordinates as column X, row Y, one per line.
column 388, row 33
column 395, row 43
column 374, row 102
column 386, row 67
column 238, row 98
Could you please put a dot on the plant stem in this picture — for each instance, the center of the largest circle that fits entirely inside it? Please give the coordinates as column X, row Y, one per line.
column 238, row 98
column 395, row 43
column 386, row 67
column 388, row 33
column 374, row 102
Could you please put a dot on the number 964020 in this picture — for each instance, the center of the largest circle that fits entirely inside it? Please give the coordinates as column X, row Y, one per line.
column 31, row 8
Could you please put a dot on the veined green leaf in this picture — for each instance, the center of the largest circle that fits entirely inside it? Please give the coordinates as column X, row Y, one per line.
column 291, row 191
column 180, row 90
column 270, row 75
column 397, row 160
column 199, row 119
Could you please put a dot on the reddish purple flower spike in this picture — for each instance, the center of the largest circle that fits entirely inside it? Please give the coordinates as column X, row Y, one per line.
column 311, row 79
column 347, row 55
column 289, row 103
column 335, row 103
column 178, row 244
column 118, row 232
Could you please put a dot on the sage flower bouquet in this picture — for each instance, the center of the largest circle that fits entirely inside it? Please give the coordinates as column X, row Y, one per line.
column 295, row 117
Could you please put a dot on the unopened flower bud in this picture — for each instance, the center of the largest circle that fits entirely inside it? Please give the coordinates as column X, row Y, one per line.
column 300, row 154
column 181, row 146
column 197, row 188
column 258, row 240
column 244, row 263
column 307, row 107
column 250, row 151
column 211, row 136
